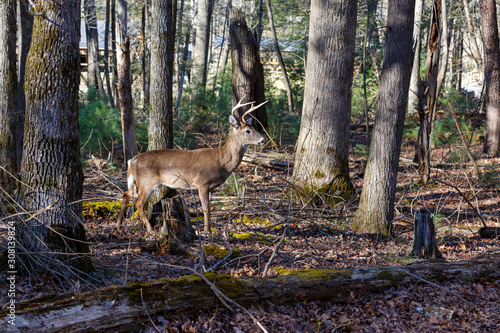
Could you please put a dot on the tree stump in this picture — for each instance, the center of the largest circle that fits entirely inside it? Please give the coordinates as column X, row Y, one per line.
column 424, row 237
column 169, row 210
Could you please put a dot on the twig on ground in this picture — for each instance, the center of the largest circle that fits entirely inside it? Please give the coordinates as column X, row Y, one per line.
column 269, row 262
column 147, row 312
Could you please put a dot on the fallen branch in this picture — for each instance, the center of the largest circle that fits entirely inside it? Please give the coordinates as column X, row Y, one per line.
column 121, row 308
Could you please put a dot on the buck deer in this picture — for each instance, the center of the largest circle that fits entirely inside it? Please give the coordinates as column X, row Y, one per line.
column 202, row 169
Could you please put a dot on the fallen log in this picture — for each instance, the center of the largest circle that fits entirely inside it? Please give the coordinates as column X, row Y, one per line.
column 489, row 232
column 123, row 308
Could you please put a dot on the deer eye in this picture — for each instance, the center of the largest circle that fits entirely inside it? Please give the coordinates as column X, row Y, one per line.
column 247, row 131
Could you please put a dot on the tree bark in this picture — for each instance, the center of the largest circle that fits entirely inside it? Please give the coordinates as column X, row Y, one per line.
column 476, row 54
column 113, row 58
column 376, row 206
column 52, row 174
column 491, row 75
column 248, row 74
column 125, row 84
column 107, row 57
column 415, row 72
column 280, row 58
column 93, row 71
column 25, row 25
column 145, row 59
column 424, row 237
column 160, row 131
column 126, row 304
column 199, row 67
column 322, row 156
column 8, row 95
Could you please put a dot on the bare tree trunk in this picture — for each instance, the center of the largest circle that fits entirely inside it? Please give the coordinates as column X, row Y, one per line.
column 472, row 37
column 322, row 155
column 114, row 64
column 8, row 94
column 107, row 58
column 93, row 71
column 182, row 71
column 52, row 175
column 415, row 72
column 145, row 58
column 491, row 75
column 125, row 83
column 161, row 123
column 224, row 50
column 376, row 206
column 25, row 25
column 280, row 58
column 248, row 74
column 199, row 67
column 438, row 34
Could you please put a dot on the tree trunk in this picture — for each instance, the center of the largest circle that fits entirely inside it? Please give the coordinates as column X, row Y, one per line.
column 376, row 206
column 424, row 237
column 187, row 295
column 199, row 67
column 8, row 95
column 280, row 58
column 322, row 157
column 491, row 75
column 125, row 83
column 52, row 174
column 182, row 71
column 93, row 72
column 248, row 74
column 427, row 115
column 145, row 59
column 476, row 54
column 25, row 25
column 107, row 57
column 113, row 60
column 415, row 72
column 160, row 131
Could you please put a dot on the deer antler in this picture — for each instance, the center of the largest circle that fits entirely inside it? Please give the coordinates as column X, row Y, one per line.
column 239, row 105
column 252, row 108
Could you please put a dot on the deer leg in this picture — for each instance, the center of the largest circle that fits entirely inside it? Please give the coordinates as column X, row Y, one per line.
column 205, row 205
column 139, row 204
column 126, row 198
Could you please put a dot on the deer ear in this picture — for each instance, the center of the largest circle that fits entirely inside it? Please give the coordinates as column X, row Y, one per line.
column 233, row 121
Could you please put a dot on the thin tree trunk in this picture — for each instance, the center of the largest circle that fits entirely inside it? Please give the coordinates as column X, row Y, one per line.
column 472, row 37
column 114, row 60
column 8, row 95
column 182, row 71
column 280, row 58
column 93, row 72
column 52, row 175
column 125, row 84
column 145, row 59
column 224, row 50
column 376, row 206
column 415, row 72
column 107, row 58
column 489, row 26
column 248, row 74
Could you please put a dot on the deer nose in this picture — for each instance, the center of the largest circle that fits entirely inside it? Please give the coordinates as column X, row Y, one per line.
column 261, row 141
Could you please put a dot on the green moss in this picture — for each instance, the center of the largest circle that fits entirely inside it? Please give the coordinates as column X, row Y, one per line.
column 394, row 277
column 217, row 252
column 101, row 209
column 315, row 274
column 256, row 220
column 252, row 237
column 319, row 174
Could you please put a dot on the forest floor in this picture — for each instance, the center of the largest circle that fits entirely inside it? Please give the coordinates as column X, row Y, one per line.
column 255, row 200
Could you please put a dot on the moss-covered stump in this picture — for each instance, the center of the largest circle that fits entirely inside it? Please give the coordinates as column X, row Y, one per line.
column 123, row 308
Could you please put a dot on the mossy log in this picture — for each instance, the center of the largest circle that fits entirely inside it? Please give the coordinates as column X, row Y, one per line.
column 123, row 308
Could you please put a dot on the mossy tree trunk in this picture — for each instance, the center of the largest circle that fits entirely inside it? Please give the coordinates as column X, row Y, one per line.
column 321, row 160
column 188, row 295
column 8, row 94
column 52, row 238
column 376, row 206
column 248, row 74
column 125, row 83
